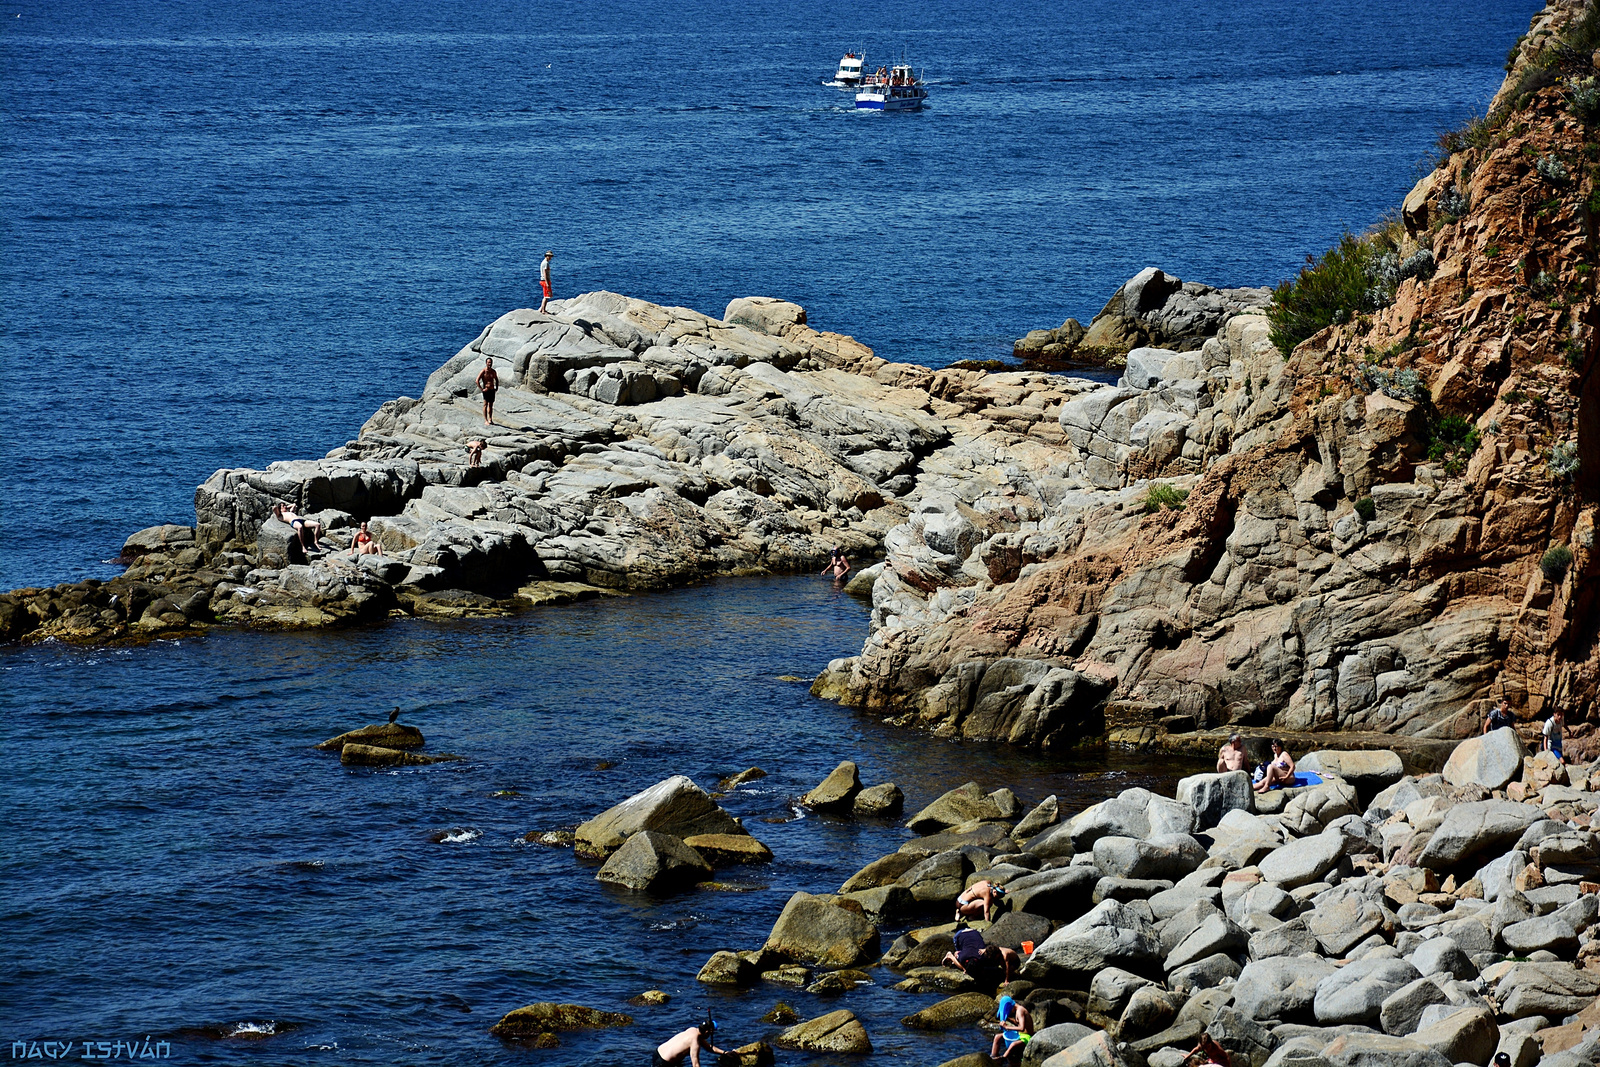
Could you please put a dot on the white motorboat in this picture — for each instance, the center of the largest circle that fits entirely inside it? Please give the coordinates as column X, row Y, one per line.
column 848, row 76
column 896, row 89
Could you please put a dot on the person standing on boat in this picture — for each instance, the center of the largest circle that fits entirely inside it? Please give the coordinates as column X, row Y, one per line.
column 544, row 278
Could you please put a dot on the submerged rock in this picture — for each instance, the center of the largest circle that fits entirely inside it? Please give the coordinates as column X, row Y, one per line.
column 382, row 735
column 372, row 756
column 546, row 1017
column 837, row 1031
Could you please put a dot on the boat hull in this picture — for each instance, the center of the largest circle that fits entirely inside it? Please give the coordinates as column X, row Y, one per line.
column 877, row 102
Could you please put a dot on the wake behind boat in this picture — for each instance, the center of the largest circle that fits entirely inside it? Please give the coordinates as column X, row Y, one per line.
column 898, row 89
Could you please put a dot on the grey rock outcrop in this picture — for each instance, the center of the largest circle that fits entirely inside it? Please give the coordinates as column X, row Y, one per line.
column 673, row 806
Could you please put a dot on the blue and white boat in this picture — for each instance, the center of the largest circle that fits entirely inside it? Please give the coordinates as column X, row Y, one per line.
column 896, row 89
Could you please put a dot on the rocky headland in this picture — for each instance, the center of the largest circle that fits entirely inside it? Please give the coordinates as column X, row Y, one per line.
column 1366, row 505
column 1374, row 918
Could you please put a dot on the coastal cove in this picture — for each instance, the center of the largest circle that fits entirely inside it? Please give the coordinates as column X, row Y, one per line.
column 179, row 848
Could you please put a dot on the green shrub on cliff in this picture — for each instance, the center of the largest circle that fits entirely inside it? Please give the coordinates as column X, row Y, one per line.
column 1164, row 496
column 1454, row 441
column 1555, row 562
column 1326, row 291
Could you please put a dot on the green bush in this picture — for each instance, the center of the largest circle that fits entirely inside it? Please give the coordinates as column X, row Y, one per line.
column 1326, row 291
column 1555, row 562
column 1164, row 496
column 1366, row 509
column 1453, row 442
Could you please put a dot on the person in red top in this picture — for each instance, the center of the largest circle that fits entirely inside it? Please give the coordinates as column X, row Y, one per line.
column 1208, row 1051
column 364, row 545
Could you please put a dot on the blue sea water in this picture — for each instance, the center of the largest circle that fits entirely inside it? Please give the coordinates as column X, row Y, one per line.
column 231, row 231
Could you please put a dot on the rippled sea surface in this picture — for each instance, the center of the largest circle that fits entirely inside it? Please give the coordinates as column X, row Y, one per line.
column 180, row 861
column 231, row 231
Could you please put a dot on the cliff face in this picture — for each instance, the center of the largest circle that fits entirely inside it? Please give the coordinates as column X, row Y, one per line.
column 1367, row 539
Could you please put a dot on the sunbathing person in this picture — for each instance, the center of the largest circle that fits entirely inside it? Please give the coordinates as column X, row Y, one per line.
column 1279, row 771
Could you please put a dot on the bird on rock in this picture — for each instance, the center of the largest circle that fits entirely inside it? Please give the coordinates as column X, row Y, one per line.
column 395, row 714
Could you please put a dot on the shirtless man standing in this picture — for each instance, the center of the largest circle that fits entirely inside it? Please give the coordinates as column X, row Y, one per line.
column 1232, row 756
column 544, row 278
column 488, row 382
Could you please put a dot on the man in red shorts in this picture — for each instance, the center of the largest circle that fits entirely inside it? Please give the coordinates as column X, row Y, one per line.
column 544, row 278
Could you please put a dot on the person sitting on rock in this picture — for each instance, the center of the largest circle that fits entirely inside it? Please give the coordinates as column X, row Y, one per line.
column 1552, row 734
column 672, row 1051
column 1499, row 716
column 1206, row 1050
column 837, row 566
column 1279, row 771
column 1232, row 756
column 301, row 526
column 364, row 544
column 978, row 899
column 1016, row 1030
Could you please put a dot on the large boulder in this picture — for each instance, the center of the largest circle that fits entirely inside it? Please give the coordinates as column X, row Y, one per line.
column 1160, row 856
column 1043, row 816
column 966, row 803
column 963, row 1009
column 1555, row 990
column 1216, row 934
column 882, row 871
column 1133, row 813
column 1369, row 772
column 938, row 879
column 1096, row 1050
column 1111, row 934
column 879, row 801
column 1355, row 993
column 1048, row 1041
column 1465, row 1036
column 1303, row 861
column 838, row 791
column 1057, row 893
column 1491, row 760
column 837, row 1031
column 1214, row 795
column 1342, row 918
column 675, row 806
column 1401, row 1012
column 725, row 850
column 1471, row 829
column 656, row 862
column 817, row 930
column 1380, row 1050
column 1281, row 987
column 1312, row 810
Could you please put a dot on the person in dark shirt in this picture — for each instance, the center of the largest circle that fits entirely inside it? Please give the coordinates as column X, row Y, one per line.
column 1499, row 716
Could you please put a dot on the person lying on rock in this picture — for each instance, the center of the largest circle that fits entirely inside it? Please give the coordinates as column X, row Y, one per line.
column 1016, row 1030
column 1279, row 770
column 672, row 1051
column 364, row 544
column 1208, row 1051
column 301, row 526
column 1499, row 716
column 837, row 566
column 989, row 965
column 978, row 899
column 1232, row 756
